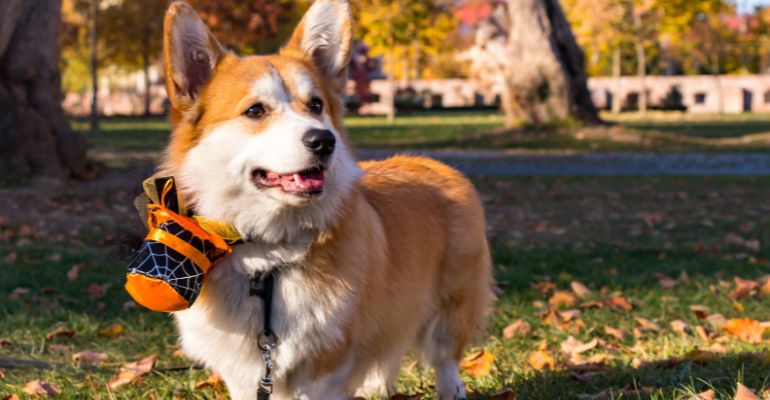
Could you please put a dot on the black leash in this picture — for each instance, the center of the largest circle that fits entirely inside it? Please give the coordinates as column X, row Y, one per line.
column 261, row 285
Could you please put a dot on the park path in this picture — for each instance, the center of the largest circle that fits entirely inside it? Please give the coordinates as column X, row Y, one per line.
column 491, row 162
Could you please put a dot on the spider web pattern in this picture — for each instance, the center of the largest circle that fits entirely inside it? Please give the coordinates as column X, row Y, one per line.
column 156, row 260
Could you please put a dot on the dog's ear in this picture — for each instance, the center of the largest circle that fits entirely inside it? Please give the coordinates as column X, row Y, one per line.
column 190, row 54
column 324, row 37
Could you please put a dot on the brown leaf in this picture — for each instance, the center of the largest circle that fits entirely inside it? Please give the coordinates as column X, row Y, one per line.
column 575, row 346
column 614, row 332
column 41, row 388
column 72, row 274
column 680, row 327
column 716, row 321
column 89, row 357
column 214, row 381
column 5, row 342
column 59, row 348
column 18, row 292
column 517, row 328
column 648, row 325
column 743, row 288
column 701, row 312
column 131, row 372
column 562, row 298
column 618, row 302
column 704, row 333
column 11, row 397
column 580, row 290
column 478, row 364
column 744, row 393
column 111, row 331
column 745, row 329
column 665, row 281
column 707, row 395
column 592, row 304
column 60, row 332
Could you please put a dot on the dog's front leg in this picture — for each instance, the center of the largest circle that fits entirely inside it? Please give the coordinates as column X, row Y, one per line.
column 331, row 385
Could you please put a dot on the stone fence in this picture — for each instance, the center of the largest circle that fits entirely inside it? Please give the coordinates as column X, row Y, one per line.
column 696, row 94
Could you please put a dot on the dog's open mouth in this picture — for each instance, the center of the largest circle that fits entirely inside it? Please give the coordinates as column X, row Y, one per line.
column 307, row 182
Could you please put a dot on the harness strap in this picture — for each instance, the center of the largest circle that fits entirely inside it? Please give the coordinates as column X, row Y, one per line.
column 261, row 285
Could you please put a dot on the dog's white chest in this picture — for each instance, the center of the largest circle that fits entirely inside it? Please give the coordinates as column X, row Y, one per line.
column 222, row 330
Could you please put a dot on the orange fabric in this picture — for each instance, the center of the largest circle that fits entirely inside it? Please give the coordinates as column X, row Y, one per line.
column 154, row 294
column 158, row 214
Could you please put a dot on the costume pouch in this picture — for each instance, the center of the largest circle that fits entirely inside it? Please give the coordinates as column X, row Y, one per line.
column 167, row 272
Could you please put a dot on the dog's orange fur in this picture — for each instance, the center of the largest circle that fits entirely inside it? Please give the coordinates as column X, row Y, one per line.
column 410, row 235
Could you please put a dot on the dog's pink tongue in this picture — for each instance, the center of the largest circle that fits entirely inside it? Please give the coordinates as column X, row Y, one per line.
column 305, row 182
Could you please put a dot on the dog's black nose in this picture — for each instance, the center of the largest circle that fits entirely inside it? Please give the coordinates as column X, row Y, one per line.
column 320, row 141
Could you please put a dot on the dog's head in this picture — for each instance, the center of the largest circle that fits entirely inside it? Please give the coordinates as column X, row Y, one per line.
column 258, row 141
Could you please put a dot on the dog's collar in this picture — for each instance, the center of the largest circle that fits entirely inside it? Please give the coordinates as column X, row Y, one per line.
column 222, row 229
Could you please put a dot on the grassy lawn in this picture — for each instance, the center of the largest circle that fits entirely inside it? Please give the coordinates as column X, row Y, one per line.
column 483, row 129
column 611, row 234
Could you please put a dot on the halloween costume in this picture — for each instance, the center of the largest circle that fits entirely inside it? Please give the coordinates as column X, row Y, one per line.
column 167, row 272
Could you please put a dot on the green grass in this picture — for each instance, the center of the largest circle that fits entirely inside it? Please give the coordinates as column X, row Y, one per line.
column 483, row 130
column 613, row 233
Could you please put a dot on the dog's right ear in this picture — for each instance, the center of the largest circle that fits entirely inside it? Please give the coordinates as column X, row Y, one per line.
column 190, row 54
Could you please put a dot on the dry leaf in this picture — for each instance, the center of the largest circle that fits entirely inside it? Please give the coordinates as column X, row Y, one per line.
column 744, row 393
column 89, row 357
column 614, row 332
column 680, row 327
column 618, row 302
column 562, row 298
column 72, row 274
column 11, row 397
column 745, row 329
column 214, row 381
column 580, row 290
column 648, row 325
column 569, row 315
column 701, row 312
column 5, row 342
column 707, row 395
column 517, row 328
column 59, row 348
column 743, row 288
column 575, row 346
column 666, row 281
column 60, row 332
column 704, row 333
column 131, row 372
column 41, row 388
column 716, row 321
column 541, row 360
column 478, row 364
column 111, row 331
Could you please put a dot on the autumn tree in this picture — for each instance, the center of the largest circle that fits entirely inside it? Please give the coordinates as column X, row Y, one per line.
column 402, row 31
column 527, row 47
column 35, row 137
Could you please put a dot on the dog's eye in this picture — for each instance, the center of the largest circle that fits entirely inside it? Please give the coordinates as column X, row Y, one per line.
column 316, row 106
column 256, row 111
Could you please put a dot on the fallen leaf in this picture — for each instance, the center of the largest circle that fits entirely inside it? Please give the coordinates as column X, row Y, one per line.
column 541, row 360
column 575, row 346
column 41, row 388
column 11, row 397
column 614, row 332
column 701, row 312
column 745, row 329
column 743, row 288
column 707, row 395
column 580, row 290
column 59, row 348
column 5, row 342
column 214, row 381
column 618, row 302
column 89, row 357
column 666, row 281
column 111, row 331
column 569, row 315
column 716, row 321
column 18, row 292
column 517, row 328
column 60, row 332
column 562, row 298
column 648, row 325
column 131, row 372
column 704, row 333
column 72, row 274
column 744, row 393
column 680, row 327
column 478, row 364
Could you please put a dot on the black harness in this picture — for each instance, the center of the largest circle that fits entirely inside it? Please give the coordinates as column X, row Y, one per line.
column 261, row 285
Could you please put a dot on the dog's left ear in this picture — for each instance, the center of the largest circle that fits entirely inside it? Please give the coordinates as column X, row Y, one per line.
column 324, row 37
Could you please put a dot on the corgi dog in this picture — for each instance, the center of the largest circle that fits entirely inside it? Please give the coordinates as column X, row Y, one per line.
column 373, row 260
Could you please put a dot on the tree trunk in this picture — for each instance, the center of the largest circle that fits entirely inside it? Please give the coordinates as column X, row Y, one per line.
column 616, row 73
column 545, row 69
column 94, row 66
column 641, row 71
column 391, row 92
column 35, row 138
column 146, row 71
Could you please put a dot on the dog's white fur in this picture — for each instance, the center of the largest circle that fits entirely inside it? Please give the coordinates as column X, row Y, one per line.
column 221, row 328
